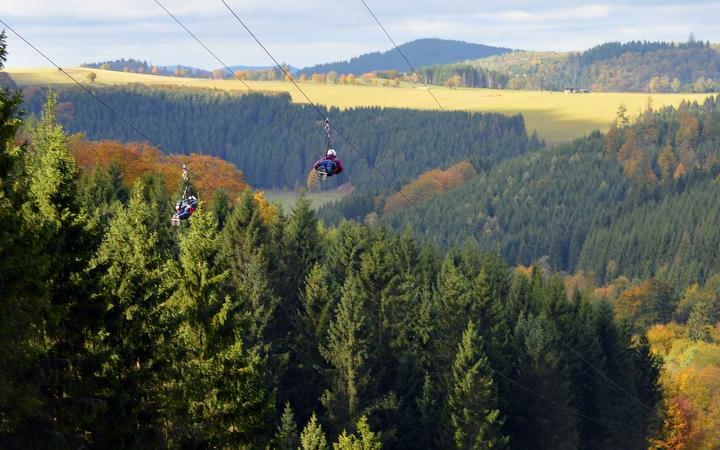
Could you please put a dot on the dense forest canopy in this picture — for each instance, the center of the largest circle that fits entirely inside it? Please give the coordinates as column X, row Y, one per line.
column 232, row 330
column 634, row 66
column 274, row 142
column 421, row 52
column 639, row 201
column 249, row 329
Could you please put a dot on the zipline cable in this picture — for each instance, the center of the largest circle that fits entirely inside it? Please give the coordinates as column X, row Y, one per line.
column 358, row 151
column 319, row 111
column 605, row 377
column 609, row 380
column 194, row 36
column 101, row 101
column 403, row 55
column 560, row 405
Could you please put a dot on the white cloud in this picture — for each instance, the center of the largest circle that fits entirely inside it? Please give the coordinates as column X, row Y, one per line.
column 314, row 31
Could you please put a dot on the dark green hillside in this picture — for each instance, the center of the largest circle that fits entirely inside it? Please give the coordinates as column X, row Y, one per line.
column 543, row 204
column 421, row 52
column 274, row 142
column 640, row 201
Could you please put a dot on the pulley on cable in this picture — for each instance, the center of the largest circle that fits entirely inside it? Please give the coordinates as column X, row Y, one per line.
column 186, row 206
column 328, row 165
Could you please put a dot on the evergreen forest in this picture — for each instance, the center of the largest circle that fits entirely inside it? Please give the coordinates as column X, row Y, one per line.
column 252, row 328
column 639, row 201
column 275, row 142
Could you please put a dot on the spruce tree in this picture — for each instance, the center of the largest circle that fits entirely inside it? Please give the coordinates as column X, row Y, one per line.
column 225, row 410
column 317, row 307
column 68, row 242
column 454, row 303
column 312, row 436
column 472, row 400
column 303, row 247
column 220, row 206
column 24, row 308
column 365, row 439
column 245, row 240
column 135, row 336
column 698, row 325
column 346, row 352
column 286, row 437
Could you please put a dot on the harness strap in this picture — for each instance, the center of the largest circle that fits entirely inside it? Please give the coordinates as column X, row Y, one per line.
column 327, row 131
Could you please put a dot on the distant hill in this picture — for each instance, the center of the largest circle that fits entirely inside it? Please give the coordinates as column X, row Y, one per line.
column 192, row 71
column 421, row 52
column 137, row 66
column 611, row 67
column 292, row 69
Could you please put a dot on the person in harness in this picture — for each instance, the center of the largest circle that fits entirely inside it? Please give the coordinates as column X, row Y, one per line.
column 329, row 165
column 185, row 208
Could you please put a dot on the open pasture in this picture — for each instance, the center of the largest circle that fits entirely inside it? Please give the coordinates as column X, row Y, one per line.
column 555, row 116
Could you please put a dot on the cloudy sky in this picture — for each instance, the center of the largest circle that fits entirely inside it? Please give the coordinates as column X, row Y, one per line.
column 306, row 32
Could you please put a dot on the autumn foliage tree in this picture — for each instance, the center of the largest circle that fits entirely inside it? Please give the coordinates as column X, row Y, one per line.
column 208, row 173
column 429, row 184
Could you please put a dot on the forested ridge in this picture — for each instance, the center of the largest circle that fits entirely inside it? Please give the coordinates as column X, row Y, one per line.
column 248, row 328
column 422, row 52
column 639, row 201
column 611, row 67
column 274, row 142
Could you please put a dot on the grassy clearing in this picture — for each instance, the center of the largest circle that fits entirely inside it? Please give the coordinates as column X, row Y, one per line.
column 287, row 199
column 555, row 116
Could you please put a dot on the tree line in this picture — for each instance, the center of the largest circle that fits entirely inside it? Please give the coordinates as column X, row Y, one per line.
column 249, row 328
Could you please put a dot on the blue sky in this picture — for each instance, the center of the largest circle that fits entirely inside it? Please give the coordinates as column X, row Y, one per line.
column 306, row 32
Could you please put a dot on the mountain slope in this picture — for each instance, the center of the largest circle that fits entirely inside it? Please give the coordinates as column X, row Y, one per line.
column 421, row 52
column 640, row 201
column 610, row 67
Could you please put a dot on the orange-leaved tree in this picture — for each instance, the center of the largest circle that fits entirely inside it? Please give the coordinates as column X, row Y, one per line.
column 430, row 184
column 208, row 173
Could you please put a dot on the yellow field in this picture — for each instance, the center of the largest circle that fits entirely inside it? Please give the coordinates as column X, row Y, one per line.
column 555, row 116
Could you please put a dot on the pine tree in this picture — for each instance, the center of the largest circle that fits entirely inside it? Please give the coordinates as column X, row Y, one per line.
column 286, row 436
column 312, row 436
column 454, row 302
column 135, row 335
column 346, row 352
column 367, row 439
column 227, row 410
column 24, row 309
column 317, row 305
column 472, row 401
column 68, row 241
column 245, row 247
